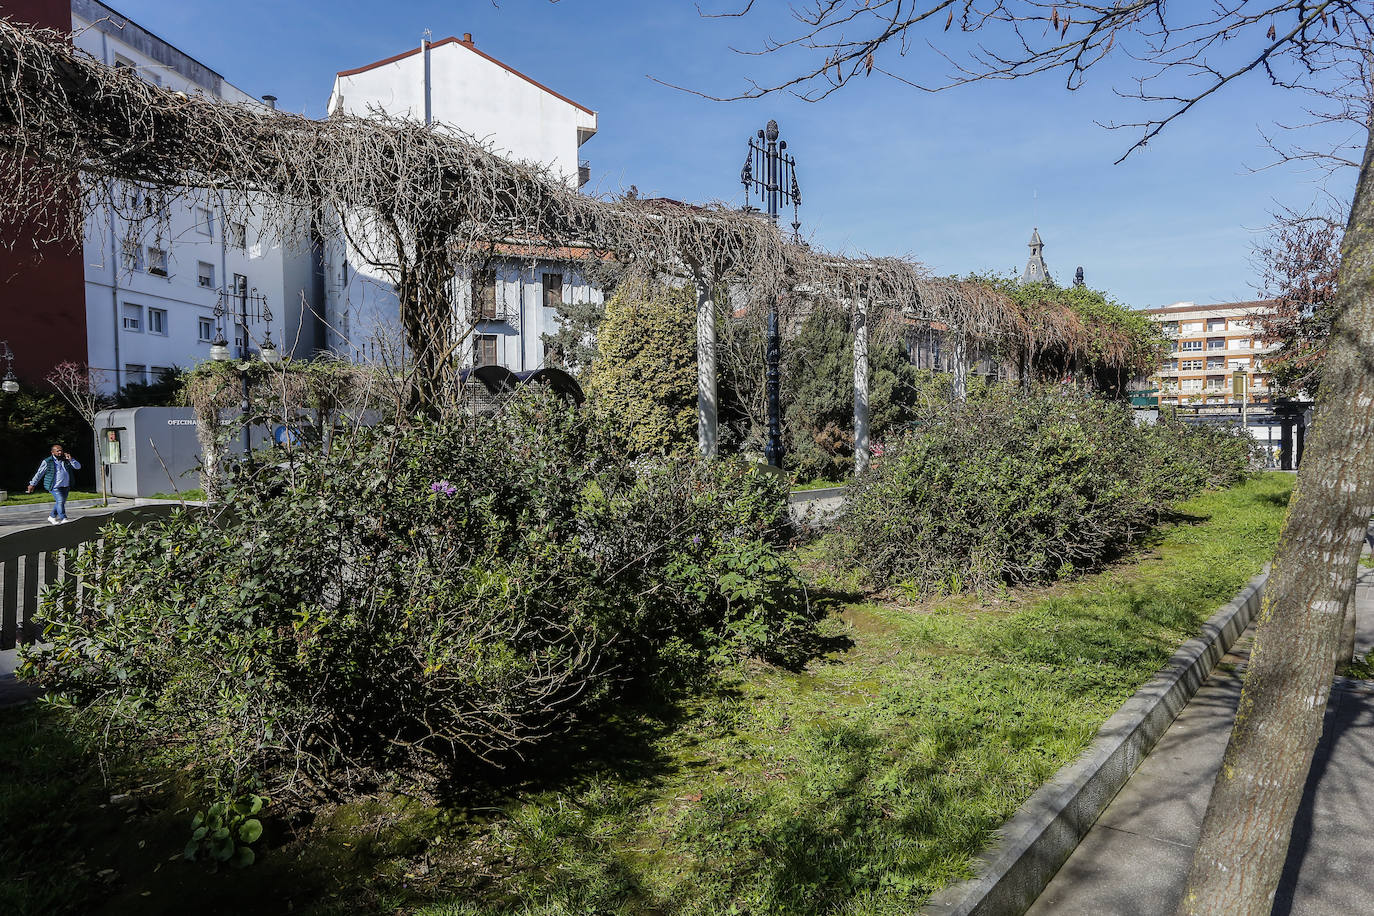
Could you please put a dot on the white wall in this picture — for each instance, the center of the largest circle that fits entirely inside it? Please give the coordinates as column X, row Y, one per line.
column 473, row 95
column 279, row 272
column 476, row 96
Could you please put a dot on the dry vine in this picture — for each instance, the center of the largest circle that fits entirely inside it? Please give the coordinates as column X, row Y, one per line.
column 418, row 204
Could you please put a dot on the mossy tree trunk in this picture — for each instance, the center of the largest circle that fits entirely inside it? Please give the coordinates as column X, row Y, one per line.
column 1249, row 819
column 427, row 319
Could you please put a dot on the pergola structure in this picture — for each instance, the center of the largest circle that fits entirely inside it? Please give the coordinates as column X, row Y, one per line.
column 424, row 205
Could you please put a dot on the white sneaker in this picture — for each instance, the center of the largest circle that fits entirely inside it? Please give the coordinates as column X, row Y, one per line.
column 54, row 520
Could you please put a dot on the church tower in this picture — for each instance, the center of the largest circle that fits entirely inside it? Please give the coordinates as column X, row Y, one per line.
column 1036, row 271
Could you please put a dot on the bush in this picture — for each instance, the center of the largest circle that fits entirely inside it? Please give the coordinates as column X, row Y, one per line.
column 645, row 373
column 419, row 598
column 1023, row 488
column 819, row 393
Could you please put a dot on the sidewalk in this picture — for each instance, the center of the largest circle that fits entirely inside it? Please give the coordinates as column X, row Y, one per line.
column 15, row 518
column 1135, row 859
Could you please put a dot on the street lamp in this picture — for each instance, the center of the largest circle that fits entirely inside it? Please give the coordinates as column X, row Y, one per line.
column 252, row 305
column 772, row 173
column 10, row 384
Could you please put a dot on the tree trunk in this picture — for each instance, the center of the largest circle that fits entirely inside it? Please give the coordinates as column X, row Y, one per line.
column 1246, row 830
column 426, row 305
column 707, row 417
column 1345, row 654
column 860, row 386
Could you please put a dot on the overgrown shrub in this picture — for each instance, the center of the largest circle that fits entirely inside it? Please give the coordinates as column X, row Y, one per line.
column 819, row 393
column 645, row 374
column 419, row 598
column 1022, row 488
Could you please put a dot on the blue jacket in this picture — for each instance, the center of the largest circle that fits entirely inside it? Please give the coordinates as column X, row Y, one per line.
column 55, row 473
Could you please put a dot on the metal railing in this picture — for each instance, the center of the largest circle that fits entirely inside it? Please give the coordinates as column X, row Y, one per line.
column 35, row 559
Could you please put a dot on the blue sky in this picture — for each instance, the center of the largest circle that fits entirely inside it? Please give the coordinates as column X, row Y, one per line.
column 954, row 179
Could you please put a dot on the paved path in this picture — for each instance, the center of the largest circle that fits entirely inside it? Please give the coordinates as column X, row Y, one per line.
column 1135, row 859
column 16, row 518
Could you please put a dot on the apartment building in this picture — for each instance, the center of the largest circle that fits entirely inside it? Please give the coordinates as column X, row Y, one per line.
column 152, row 282
column 508, row 308
column 1211, row 345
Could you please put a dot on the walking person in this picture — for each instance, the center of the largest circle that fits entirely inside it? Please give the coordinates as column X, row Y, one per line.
column 55, row 472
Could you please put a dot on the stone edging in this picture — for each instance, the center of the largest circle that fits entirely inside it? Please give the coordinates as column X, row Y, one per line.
column 809, row 496
column 1046, row 829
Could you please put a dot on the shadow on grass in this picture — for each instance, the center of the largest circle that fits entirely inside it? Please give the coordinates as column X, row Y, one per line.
column 73, row 843
column 67, row 849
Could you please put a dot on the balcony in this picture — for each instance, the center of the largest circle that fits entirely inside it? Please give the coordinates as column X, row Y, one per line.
column 584, row 173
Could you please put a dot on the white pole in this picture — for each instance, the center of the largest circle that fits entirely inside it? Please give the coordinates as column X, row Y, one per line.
column 706, row 366
column 959, row 355
column 860, row 386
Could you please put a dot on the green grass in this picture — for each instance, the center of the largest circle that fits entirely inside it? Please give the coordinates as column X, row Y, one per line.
column 194, row 495
column 43, row 496
column 857, row 786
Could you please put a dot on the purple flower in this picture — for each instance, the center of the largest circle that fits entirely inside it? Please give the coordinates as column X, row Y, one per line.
column 444, row 487
column 696, row 540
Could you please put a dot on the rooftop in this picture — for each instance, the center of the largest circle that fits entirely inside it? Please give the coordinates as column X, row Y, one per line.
column 466, row 42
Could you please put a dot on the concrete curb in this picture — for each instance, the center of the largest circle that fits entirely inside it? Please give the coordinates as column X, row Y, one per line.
column 808, row 496
column 1048, row 827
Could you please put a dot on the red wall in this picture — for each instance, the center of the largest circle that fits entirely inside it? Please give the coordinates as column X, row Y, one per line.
column 42, row 289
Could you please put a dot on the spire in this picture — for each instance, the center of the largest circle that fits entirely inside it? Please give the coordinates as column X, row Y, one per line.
column 1036, row 271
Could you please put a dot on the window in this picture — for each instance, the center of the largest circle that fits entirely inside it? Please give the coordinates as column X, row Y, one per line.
column 157, row 262
column 1215, row 362
column 157, row 321
column 1238, row 343
column 1242, row 324
column 484, row 297
column 1190, row 345
column 1216, row 343
column 133, row 255
column 205, row 274
column 1239, row 364
column 1191, row 384
column 113, row 451
column 1216, row 324
column 1169, row 365
column 240, row 337
column 553, row 290
column 158, row 373
column 135, row 374
column 238, row 236
column 484, row 350
column 205, row 329
column 205, row 222
column 133, row 317
column 1189, row 365
column 121, row 62
column 1215, row 381
column 1171, row 328
column 1190, row 327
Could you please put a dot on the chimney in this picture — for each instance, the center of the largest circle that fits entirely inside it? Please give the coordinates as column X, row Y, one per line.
column 467, row 38
column 271, row 101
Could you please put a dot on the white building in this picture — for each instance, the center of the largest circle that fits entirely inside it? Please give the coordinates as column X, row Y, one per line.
column 151, row 288
column 453, row 85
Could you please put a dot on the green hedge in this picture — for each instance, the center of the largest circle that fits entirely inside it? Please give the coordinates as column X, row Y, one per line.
column 1023, row 488
column 419, row 599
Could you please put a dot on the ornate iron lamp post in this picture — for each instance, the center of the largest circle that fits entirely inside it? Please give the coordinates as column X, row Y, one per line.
column 772, row 173
column 11, row 384
column 251, row 305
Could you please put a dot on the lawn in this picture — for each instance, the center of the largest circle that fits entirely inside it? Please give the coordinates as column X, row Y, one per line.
column 17, row 498
column 856, row 786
